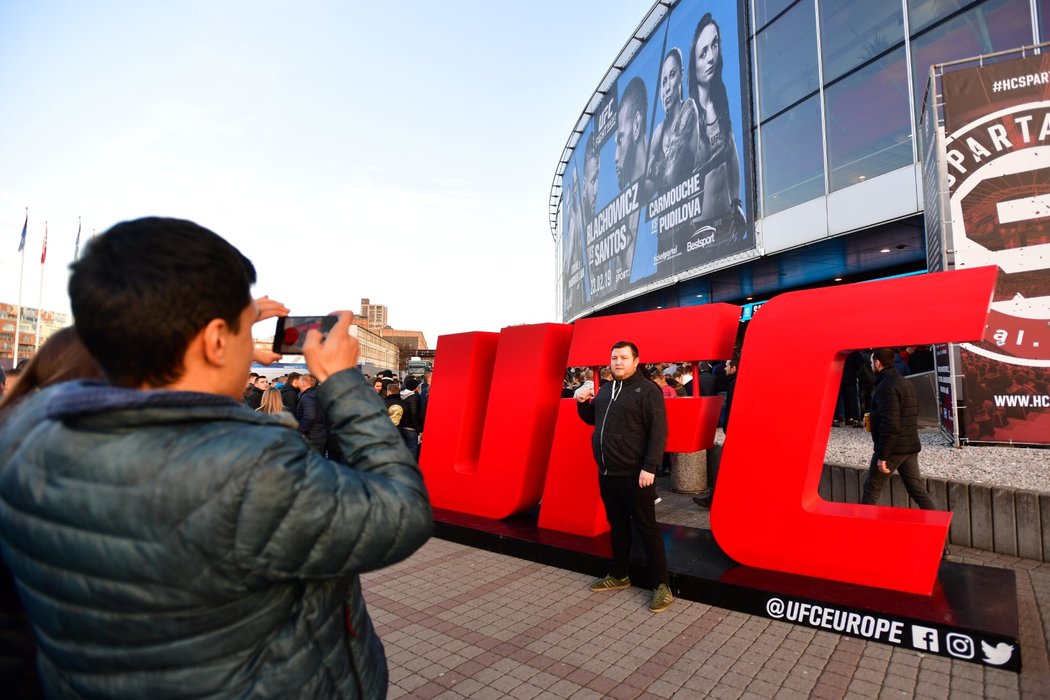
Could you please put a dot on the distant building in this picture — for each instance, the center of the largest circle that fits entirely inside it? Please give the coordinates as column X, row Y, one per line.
column 50, row 321
column 409, row 343
column 375, row 315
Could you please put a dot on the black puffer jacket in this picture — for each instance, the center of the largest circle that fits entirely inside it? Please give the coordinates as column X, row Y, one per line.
column 178, row 545
column 894, row 416
column 312, row 423
column 630, row 426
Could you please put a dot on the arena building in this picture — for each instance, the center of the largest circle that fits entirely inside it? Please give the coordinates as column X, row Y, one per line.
column 738, row 150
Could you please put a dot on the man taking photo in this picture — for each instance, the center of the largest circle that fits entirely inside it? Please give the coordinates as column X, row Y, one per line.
column 165, row 540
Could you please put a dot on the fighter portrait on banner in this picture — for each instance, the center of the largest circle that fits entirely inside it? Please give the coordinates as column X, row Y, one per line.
column 572, row 245
column 612, row 232
column 664, row 188
column 695, row 204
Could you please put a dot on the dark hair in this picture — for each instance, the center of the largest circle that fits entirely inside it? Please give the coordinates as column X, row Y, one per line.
column 675, row 53
column 634, row 98
column 626, row 344
column 60, row 359
column 292, row 376
column 591, row 149
column 411, row 383
column 145, row 288
column 884, row 357
column 718, row 88
column 392, row 387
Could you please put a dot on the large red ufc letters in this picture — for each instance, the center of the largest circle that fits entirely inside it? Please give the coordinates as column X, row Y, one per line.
column 499, row 438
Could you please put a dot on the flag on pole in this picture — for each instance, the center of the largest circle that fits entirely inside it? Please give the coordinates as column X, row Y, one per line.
column 76, row 251
column 43, row 253
column 22, row 241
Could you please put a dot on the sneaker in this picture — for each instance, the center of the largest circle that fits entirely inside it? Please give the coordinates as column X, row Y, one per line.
column 611, row 583
column 661, row 599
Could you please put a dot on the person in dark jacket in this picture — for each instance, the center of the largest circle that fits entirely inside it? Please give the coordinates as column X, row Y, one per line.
column 290, row 392
column 165, row 540
column 312, row 424
column 254, row 397
column 412, row 420
column 630, row 434
column 895, row 433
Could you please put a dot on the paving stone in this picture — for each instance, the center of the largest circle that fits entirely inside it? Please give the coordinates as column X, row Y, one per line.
column 526, row 640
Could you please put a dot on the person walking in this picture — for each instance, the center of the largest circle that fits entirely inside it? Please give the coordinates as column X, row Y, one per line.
column 895, row 433
column 630, row 434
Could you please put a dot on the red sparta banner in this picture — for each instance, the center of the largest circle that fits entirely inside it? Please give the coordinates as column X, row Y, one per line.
column 500, row 439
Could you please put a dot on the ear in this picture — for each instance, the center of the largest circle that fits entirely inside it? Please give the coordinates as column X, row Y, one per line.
column 215, row 340
column 638, row 126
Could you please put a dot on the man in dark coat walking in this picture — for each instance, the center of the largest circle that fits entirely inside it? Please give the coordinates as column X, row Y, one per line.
column 895, row 432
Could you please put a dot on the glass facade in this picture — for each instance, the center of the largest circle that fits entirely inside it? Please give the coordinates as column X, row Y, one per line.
column 787, row 60
column 865, row 142
column 840, row 83
column 994, row 25
column 792, row 157
column 853, row 32
column 765, row 10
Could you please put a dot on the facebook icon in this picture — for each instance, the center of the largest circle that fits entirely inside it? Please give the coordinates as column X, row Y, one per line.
column 925, row 639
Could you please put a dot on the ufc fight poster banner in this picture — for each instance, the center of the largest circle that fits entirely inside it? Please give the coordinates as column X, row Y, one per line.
column 997, row 156
column 658, row 185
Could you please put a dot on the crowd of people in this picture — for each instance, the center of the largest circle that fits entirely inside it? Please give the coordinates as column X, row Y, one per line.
column 675, row 379
column 237, row 535
column 859, row 380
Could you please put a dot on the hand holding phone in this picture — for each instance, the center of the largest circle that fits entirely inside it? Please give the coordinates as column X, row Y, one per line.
column 290, row 334
column 326, row 355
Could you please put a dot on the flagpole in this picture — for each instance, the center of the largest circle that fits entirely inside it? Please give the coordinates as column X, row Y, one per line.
column 40, row 295
column 21, row 274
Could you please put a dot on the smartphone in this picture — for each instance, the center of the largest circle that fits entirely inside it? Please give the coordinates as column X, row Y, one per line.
column 290, row 334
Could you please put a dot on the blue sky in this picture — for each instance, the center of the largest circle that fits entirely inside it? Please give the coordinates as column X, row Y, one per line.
column 397, row 151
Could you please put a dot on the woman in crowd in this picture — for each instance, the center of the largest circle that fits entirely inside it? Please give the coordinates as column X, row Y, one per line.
column 60, row 359
column 272, row 402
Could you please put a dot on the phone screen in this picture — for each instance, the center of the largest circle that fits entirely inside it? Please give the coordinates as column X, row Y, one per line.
column 290, row 334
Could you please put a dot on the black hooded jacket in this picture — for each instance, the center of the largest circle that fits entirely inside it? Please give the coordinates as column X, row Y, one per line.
column 630, row 426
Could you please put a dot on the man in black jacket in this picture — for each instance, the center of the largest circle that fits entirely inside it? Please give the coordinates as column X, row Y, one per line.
column 629, row 439
column 412, row 420
column 290, row 392
column 312, row 424
column 895, row 432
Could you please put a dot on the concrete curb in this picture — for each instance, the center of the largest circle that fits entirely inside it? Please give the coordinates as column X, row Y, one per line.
column 991, row 518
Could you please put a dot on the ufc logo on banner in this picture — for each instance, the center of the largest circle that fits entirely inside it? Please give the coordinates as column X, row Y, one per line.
column 499, row 437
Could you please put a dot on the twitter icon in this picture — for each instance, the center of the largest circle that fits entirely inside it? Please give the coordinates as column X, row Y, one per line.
column 997, row 655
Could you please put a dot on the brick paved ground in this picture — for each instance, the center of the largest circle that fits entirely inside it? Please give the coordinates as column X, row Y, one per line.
column 462, row 622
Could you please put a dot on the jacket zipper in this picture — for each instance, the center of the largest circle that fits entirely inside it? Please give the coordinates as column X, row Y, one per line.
column 601, row 434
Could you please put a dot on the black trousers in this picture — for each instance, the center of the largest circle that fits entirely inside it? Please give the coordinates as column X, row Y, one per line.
column 908, row 467
column 627, row 505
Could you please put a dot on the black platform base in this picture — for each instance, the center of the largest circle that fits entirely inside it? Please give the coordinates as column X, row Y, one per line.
column 972, row 615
